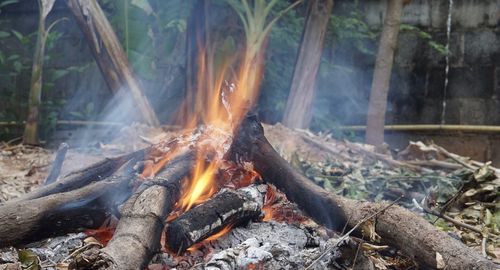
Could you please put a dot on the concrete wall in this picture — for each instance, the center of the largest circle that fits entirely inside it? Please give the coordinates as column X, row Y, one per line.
column 417, row 88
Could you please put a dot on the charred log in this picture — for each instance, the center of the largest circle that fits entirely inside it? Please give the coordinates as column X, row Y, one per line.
column 227, row 208
column 80, row 178
column 397, row 226
column 138, row 233
column 57, row 214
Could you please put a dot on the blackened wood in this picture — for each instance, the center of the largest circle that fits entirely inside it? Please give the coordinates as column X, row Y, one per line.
column 77, row 179
column 57, row 164
column 85, row 208
column 397, row 226
column 138, row 233
column 228, row 207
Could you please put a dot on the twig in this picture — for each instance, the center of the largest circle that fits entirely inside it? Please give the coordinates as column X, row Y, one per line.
column 455, row 157
column 57, row 164
column 435, row 164
column 483, row 246
column 323, row 146
column 452, row 220
column 386, row 159
column 345, row 236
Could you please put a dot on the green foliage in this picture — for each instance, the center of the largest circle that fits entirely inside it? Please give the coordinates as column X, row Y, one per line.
column 279, row 62
column 438, row 47
column 16, row 58
column 149, row 31
column 353, row 29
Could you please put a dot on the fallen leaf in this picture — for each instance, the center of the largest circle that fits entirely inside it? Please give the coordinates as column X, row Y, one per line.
column 440, row 264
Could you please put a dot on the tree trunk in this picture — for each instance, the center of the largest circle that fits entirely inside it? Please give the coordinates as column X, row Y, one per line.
column 109, row 54
column 298, row 111
column 382, row 73
column 35, row 96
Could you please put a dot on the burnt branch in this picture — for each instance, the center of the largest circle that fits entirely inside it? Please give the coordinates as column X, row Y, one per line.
column 26, row 221
column 227, row 208
column 80, row 178
column 397, row 226
column 138, row 233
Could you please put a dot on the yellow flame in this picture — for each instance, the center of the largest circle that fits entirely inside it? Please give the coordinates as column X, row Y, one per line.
column 201, row 186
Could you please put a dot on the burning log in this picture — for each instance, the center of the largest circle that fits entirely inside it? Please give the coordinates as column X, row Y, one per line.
column 397, row 226
column 137, row 236
column 57, row 214
column 226, row 209
column 95, row 172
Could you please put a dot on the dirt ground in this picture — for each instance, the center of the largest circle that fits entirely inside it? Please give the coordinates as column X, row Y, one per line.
column 335, row 165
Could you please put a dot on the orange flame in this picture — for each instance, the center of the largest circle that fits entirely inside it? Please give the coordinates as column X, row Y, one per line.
column 201, row 186
column 213, row 237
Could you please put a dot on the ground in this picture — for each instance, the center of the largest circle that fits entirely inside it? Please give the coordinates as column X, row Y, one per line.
column 353, row 170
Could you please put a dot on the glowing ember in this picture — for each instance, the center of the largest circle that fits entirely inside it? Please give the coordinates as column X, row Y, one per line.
column 213, row 237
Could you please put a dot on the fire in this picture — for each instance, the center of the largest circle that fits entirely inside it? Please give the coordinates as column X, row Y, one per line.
column 213, row 237
column 202, row 187
column 218, row 235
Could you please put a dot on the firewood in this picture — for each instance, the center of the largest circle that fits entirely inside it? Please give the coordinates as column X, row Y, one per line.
column 397, row 226
column 227, row 208
column 138, row 233
column 77, row 179
column 26, row 221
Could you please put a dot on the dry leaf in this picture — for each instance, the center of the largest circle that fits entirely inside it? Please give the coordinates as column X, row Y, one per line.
column 440, row 264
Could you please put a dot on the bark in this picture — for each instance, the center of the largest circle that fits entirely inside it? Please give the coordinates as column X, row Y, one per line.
column 80, row 178
column 397, row 226
column 227, row 208
column 85, row 208
column 138, row 233
column 382, row 74
column 298, row 110
column 109, row 54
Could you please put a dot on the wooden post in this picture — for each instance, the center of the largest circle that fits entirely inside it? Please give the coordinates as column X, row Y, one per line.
column 109, row 54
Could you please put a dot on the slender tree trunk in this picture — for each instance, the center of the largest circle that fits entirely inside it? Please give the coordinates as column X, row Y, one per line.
column 35, row 96
column 109, row 54
column 382, row 73
column 298, row 110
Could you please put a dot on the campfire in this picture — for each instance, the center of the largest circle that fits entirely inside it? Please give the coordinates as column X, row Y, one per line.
column 179, row 195
column 164, row 206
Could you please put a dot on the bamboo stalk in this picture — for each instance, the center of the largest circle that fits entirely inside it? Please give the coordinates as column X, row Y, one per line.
column 431, row 127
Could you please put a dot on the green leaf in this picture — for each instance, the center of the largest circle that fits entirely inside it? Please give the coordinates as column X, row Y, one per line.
column 78, row 115
column 144, row 5
column 8, row 2
column 18, row 35
column 59, row 73
column 18, row 66
column 4, row 34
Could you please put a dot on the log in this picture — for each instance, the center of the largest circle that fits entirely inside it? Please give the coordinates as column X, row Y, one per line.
column 26, row 221
column 227, row 208
column 138, row 233
column 397, row 226
column 77, row 179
